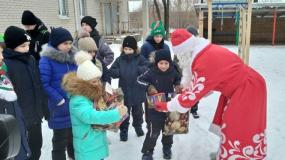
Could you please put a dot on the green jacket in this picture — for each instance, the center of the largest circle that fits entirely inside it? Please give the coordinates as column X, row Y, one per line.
column 89, row 144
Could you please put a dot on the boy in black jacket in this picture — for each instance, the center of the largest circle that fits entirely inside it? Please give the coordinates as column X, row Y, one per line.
column 162, row 77
column 127, row 67
column 24, row 75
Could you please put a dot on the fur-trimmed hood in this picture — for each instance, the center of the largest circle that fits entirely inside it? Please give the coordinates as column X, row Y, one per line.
column 76, row 86
column 57, row 55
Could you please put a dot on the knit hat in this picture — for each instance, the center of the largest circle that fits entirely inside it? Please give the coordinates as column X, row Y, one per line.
column 87, row 44
column 28, row 18
column 58, row 36
column 15, row 36
column 90, row 21
column 182, row 40
column 86, row 70
column 157, row 28
column 130, row 42
column 82, row 33
column 162, row 54
column 192, row 30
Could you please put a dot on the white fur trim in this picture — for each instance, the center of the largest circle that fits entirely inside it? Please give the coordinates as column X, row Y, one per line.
column 192, row 45
column 174, row 105
column 9, row 96
column 215, row 129
column 184, row 46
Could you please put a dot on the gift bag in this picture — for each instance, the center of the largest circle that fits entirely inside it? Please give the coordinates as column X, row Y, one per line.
column 176, row 123
column 110, row 101
column 159, row 97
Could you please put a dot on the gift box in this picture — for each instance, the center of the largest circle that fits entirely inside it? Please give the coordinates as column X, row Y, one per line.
column 159, row 97
column 110, row 101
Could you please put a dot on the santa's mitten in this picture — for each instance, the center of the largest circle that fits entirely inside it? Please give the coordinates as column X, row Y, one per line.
column 161, row 106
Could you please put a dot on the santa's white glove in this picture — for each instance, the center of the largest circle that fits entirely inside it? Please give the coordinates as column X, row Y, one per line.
column 171, row 106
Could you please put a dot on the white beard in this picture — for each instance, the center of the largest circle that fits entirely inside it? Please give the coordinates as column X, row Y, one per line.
column 185, row 62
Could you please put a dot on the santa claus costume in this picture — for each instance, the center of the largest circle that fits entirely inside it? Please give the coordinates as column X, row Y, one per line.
column 240, row 118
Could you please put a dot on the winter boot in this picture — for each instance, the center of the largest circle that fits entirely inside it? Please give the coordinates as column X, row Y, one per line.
column 124, row 135
column 139, row 131
column 195, row 115
column 147, row 156
column 167, row 154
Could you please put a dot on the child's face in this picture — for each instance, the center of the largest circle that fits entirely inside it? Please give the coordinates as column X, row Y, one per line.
column 30, row 27
column 1, row 56
column 23, row 48
column 158, row 38
column 163, row 65
column 65, row 46
column 128, row 50
column 86, row 27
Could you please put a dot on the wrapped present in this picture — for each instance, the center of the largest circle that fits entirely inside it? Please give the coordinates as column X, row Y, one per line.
column 176, row 123
column 109, row 101
column 159, row 97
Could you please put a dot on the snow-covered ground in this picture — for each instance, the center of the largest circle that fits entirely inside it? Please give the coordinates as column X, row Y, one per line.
column 199, row 142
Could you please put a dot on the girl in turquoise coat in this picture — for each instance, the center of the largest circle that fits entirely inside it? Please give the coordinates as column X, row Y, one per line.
column 85, row 88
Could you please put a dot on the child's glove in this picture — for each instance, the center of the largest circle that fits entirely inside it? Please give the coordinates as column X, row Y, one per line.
column 178, row 89
column 151, row 90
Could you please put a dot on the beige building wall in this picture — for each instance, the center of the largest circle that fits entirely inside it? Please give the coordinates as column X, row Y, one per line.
column 48, row 11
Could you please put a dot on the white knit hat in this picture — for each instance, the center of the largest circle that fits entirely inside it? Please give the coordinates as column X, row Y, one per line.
column 86, row 70
column 182, row 40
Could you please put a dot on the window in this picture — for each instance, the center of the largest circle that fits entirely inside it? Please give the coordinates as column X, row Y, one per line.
column 63, row 8
column 82, row 6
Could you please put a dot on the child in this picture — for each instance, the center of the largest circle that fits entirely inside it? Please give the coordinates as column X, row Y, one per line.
column 127, row 67
column 58, row 59
column 162, row 77
column 9, row 105
column 105, row 53
column 155, row 41
column 38, row 32
column 85, row 88
column 24, row 75
column 87, row 44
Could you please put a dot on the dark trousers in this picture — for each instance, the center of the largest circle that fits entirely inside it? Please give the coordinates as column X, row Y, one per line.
column 35, row 140
column 137, row 114
column 62, row 141
column 155, row 125
column 145, row 110
column 194, row 109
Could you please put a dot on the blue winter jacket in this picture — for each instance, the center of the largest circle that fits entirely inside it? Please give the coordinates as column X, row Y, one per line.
column 53, row 66
column 150, row 46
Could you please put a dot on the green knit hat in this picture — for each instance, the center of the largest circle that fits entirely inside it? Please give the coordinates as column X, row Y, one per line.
column 1, row 38
column 157, row 28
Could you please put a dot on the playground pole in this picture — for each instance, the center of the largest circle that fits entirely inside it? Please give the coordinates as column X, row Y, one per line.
column 201, row 23
column 210, row 15
column 274, row 28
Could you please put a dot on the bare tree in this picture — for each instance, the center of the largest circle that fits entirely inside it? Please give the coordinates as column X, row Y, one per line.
column 166, row 4
column 157, row 10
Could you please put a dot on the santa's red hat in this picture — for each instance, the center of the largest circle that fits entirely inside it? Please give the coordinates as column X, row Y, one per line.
column 182, row 41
